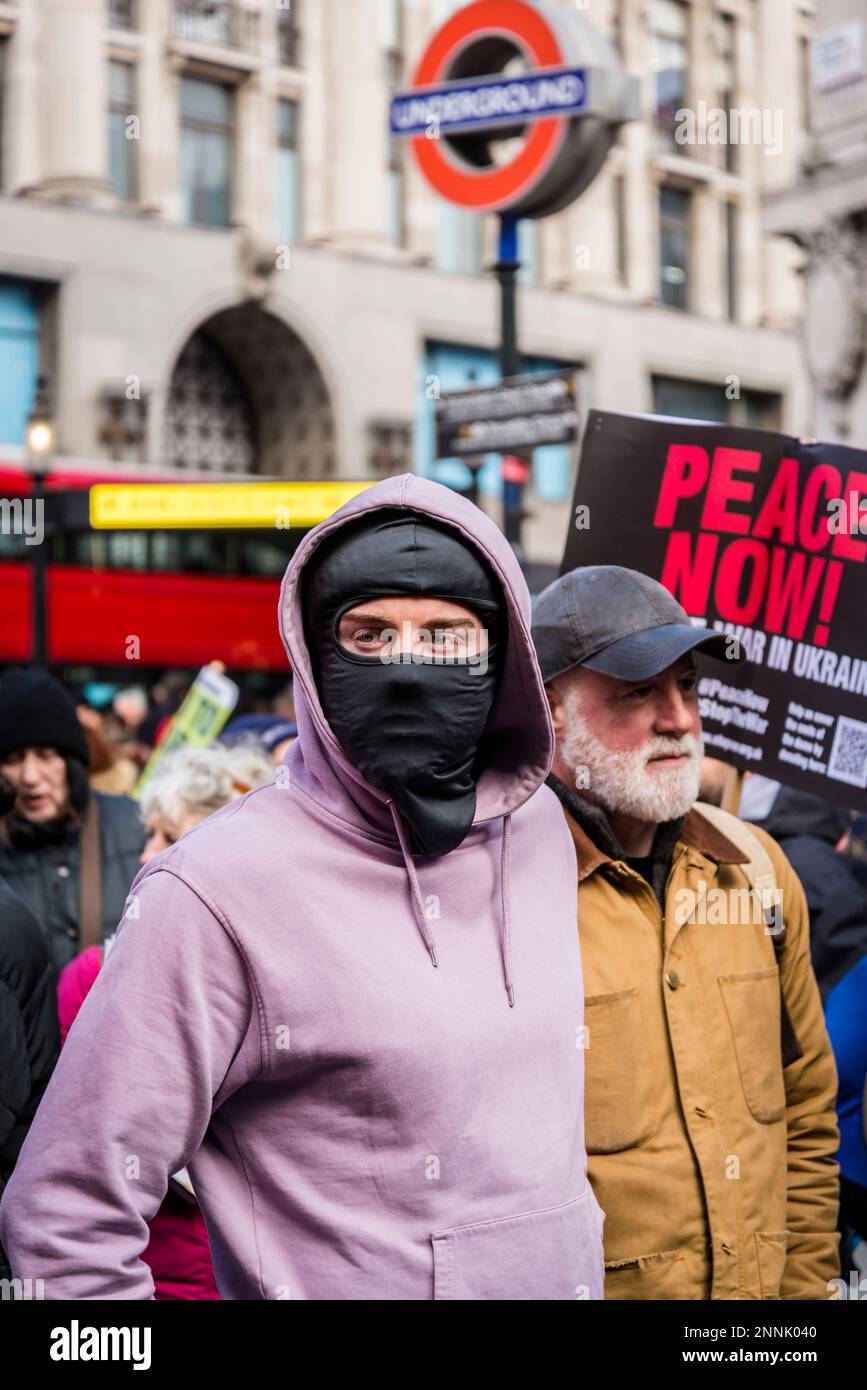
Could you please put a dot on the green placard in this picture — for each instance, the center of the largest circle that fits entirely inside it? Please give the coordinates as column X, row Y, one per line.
column 205, row 710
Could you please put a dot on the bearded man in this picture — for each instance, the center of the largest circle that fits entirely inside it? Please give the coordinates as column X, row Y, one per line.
column 710, row 1083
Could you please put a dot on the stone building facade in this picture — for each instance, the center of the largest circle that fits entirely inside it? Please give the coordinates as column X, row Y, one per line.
column 217, row 258
column 825, row 213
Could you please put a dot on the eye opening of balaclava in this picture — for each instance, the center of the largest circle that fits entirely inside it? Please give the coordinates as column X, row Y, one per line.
column 412, row 726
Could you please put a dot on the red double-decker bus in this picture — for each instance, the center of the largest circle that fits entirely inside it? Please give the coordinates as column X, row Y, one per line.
column 188, row 594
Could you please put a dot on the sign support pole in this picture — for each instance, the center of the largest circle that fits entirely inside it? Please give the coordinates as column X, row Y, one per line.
column 506, row 271
column 39, row 566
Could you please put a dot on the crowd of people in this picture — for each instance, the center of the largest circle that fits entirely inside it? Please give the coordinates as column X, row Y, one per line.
column 408, row 986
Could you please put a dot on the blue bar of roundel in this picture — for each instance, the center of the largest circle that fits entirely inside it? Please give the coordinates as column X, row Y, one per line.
column 420, row 122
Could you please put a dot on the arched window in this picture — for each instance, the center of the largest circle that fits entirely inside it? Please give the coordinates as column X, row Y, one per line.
column 246, row 395
column 209, row 422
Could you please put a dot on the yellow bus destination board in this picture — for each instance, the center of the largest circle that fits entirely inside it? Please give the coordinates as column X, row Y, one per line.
column 160, row 506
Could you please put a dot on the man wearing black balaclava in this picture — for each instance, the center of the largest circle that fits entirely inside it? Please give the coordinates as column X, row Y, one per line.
column 405, row 628
column 351, row 1001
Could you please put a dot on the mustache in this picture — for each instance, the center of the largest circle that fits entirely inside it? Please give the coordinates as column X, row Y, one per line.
column 662, row 747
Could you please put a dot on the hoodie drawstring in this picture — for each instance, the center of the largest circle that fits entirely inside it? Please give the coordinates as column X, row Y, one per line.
column 418, row 904
column 506, row 920
column 420, row 916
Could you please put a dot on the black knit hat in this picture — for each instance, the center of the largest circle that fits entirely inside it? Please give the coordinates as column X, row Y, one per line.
column 36, row 711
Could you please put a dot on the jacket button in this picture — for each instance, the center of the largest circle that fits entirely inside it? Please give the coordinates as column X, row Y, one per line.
column 72, row 931
column 63, row 871
column 672, row 979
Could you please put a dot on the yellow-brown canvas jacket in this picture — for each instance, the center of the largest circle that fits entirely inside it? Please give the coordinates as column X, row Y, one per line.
column 714, row 1163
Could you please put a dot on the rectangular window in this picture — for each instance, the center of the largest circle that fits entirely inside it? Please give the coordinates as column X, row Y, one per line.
column 103, row 550
column 121, row 146
column 122, row 14
column 690, row 400
column 288, row 34
column 391, row 38
column 4, row 51
column 395, row 192
column 287, row 181
column 727, row 79
column 19, row 355
column 730, row 231
column 669, row 48
column 706, row 400
column 761, row 410
column 674, row 210
column 619, row 186
column 206, row 152
column 805, row 80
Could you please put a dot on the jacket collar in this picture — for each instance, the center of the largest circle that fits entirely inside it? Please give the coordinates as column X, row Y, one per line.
column 595, row 843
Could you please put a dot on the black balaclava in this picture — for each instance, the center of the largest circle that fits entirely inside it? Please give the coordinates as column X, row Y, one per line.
column 412, row 728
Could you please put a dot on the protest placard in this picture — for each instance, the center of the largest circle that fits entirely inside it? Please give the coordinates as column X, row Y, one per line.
column 757, row 534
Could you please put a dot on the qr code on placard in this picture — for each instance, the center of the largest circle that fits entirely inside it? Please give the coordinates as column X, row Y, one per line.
column 848, row 760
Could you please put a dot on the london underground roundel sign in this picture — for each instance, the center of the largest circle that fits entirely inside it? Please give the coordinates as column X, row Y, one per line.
column 514, row 106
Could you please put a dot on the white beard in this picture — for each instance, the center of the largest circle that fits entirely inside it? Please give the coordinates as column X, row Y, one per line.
column 622, row 782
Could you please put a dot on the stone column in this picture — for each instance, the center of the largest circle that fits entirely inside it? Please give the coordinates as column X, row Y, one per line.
column 254, row 158
column 74, row 100
column 641, row 195
column 357, row 124
column 777, row 166
column 707, row 254
column 155, row 102
column 777, row 71
column 21, row 123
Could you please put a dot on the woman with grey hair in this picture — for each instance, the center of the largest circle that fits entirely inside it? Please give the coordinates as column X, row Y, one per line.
column 192, row 783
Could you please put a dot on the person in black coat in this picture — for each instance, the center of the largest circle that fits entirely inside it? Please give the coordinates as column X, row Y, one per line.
column 808, row 829
column 29, row 1033
column 44, row 753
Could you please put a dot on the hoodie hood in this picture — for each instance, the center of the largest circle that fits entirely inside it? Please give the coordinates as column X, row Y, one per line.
column 518, row 733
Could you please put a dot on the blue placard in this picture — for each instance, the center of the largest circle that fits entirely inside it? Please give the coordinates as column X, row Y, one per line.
column 489, row 102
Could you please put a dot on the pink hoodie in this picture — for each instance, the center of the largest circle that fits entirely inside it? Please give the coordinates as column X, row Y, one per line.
column 357, row 1123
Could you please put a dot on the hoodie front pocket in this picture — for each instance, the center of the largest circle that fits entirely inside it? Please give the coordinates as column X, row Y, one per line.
column 547, row 1255
column 752, row 1002
column 618, row 1109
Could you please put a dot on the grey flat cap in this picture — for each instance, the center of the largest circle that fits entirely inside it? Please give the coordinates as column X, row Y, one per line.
column 620, row 622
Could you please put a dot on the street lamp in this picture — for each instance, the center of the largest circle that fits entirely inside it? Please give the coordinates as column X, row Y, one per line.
column 40, row 431
column 40, row 436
